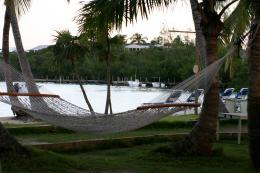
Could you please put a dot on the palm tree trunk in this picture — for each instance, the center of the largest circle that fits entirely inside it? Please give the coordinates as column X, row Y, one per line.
column 203, row 134
column 24, row 64
column 108, row 100
column 108, row 62
column 111, row 110
column 85, row 95
column 200, row 39
column 201, row 138
column 5, row 51
column 254, row 89
column 6, row 30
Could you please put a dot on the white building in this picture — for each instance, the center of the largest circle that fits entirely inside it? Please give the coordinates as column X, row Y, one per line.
column 136, row 47
column 139, row 47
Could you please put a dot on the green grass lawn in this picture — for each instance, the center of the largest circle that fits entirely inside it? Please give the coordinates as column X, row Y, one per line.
column 230, row 158
column 144, row 157
column 50, row 134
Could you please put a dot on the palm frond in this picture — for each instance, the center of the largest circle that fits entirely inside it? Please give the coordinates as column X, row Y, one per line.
column 236, row 26
column 18, row 6
column 120, row 11
column 67, row 47
column 238, row 22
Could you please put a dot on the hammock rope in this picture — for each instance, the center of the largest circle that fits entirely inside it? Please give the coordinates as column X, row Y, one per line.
column 59, row 112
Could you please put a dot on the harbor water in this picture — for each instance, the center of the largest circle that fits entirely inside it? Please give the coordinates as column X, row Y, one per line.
column 123, row 98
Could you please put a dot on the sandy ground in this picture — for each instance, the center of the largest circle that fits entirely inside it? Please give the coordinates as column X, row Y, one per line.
column 10, row 120
column 13, row 120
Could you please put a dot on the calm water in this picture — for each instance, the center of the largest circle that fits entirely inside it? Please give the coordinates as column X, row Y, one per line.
column 123, row 98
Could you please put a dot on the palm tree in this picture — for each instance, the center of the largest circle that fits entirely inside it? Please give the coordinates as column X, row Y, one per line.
column 157, row 40
column 68, row 47
column 254, row 90
column 208, row 22
column 5, row 51
column 200, row 40
column 14, row 8
column 138, row 39
column 9, row 144
column 118, row 40
column 24, row 64
column 95, row 24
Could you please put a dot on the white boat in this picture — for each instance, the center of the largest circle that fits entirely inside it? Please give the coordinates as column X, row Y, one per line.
column 158, row 85
column 162, row 85
column 143, row 85
column 133, row 83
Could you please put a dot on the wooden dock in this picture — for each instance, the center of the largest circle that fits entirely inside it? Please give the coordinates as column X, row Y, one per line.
column 98, row 82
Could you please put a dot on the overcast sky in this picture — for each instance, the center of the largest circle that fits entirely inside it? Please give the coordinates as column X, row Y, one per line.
column 45, row 16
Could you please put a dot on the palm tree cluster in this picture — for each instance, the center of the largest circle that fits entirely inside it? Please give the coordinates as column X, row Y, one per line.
column 69, row 47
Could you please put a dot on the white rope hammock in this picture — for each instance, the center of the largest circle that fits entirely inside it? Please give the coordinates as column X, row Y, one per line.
column 59, row 112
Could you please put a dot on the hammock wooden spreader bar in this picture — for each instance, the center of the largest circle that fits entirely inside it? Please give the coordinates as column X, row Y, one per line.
column 154, row 106
column 28, row 94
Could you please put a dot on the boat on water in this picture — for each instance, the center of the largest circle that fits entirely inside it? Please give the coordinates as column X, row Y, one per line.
column 158, row 85
column 134, row 83
column 143, row 85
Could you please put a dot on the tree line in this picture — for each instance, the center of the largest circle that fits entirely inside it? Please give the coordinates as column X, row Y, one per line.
column 172, row 64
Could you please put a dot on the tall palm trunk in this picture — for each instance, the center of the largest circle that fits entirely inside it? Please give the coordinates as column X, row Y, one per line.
column 24, row 64
column 202, row 136
column 108, row 100
column 85, row 95
column 5, row 51
column 108, row 62
column 6, row 31
column 254, row 89
column 200, row 39
column 83, row 91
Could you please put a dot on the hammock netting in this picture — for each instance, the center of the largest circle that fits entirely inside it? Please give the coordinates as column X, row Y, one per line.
column 59, row 112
